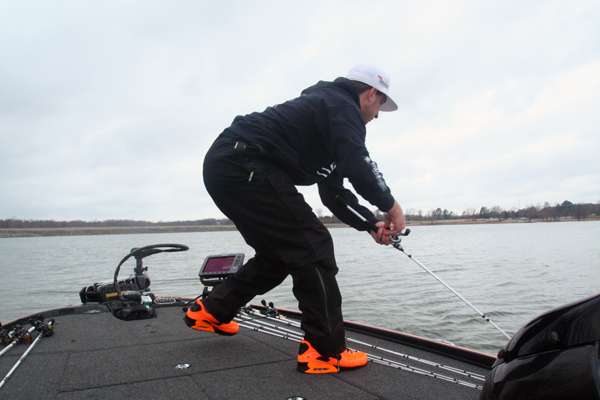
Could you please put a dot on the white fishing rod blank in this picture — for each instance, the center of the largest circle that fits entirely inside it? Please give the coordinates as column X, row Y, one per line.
column 396, row 243
column 31, row 346
column 263, row 327
column 9, row 346
column 283, row 320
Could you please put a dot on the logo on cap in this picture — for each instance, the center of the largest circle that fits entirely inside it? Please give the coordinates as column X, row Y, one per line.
column 383, row 82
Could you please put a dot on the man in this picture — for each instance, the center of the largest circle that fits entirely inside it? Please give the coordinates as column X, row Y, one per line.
column 251, row 171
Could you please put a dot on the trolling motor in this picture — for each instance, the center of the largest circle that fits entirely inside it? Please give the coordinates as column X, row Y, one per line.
column 129, row 299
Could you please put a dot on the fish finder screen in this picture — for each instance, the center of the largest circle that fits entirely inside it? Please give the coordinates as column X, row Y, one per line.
column 219, row 264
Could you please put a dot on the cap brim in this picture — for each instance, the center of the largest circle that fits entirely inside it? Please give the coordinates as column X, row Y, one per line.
column 389, row 105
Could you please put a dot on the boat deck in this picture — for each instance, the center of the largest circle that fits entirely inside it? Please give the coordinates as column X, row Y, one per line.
column 94, row 355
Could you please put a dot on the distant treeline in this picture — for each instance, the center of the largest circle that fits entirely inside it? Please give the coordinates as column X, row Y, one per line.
column 20, row 223
column 546, row 212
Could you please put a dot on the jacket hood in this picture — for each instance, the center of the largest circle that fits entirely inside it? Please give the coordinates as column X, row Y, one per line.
column 341, row 84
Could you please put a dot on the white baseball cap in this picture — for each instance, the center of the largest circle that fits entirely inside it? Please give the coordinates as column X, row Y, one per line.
column 375, row 78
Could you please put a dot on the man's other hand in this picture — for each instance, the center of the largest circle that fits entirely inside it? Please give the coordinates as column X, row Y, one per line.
column 395, row 220
column 393, row 224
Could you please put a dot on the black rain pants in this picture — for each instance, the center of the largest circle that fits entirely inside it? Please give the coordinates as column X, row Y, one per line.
column 274, row 219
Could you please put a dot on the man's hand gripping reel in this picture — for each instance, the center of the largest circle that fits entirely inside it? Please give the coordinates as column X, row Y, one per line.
column 397, row 239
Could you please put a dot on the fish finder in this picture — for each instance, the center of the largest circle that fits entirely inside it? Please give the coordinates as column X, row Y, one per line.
column 217, row 268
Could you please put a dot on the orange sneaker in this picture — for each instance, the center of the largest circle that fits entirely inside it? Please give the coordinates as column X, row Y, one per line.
column 349, row 359
column 196, row 317
column 311, row 362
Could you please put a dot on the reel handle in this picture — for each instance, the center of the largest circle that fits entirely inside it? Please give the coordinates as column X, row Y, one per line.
column 396, row 239
column 373, row 228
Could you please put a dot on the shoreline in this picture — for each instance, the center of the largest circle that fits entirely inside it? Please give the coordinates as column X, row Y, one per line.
column 128, row 230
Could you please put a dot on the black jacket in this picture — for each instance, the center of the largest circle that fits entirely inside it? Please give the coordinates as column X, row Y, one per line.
column 319, row 137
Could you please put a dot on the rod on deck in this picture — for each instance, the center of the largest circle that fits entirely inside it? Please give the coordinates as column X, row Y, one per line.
column 295, row 324
column 44, row 331
column 15, row 341
column 278, row 331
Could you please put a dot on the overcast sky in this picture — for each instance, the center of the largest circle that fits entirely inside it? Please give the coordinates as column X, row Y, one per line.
column 107, row 108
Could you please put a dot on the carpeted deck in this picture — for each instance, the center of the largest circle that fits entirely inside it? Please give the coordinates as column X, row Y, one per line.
column 93, row 355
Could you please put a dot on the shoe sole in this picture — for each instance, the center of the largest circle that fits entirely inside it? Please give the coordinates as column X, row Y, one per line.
column 302, row 367
column 355, row 367
column 306, row 369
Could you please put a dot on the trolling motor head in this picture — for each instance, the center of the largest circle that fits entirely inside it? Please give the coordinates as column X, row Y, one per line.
column 555, row 356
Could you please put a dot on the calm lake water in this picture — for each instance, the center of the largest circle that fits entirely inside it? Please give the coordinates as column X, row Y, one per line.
column 512, row 272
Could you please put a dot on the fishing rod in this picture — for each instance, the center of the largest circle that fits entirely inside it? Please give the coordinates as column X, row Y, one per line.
column 396, row 243
column 45, row 330
column 20, row 336
column 269, row 329
column 253, row 324
column 271, row 314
